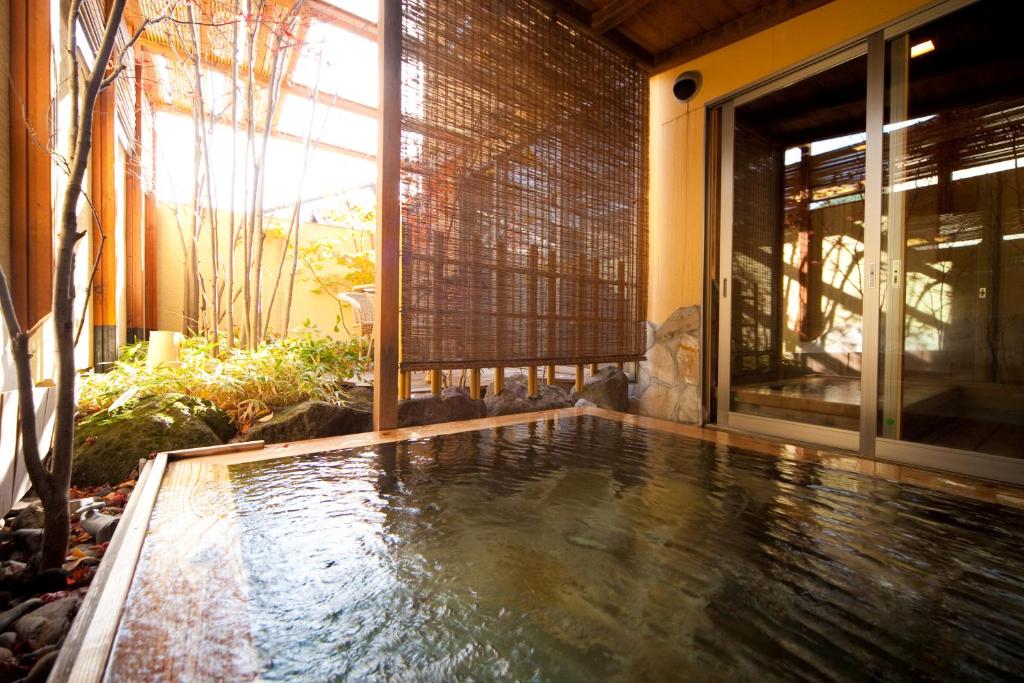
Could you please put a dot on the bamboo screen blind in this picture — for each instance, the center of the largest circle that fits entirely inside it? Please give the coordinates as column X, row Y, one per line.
column 524, row 156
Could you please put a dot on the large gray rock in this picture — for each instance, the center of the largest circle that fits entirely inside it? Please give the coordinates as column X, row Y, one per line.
column 452, row 405
column 45, row 625
column 311, row 420
column 668, row 382
column 609, row 388
column 513, row 398
column 108, row 445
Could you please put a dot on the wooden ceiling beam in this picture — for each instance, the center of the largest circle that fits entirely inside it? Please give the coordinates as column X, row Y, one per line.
column 580, row 19
column 764, row 17
column 280, row 135
column 287, row 87
column 614, row 13
column 337, row 17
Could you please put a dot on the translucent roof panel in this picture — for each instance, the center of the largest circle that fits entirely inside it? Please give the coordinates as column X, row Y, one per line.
column 332, row 126
column 349, row 63
column 367, row 9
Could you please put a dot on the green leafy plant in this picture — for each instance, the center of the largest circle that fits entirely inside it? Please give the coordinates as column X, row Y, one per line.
column 244, row 383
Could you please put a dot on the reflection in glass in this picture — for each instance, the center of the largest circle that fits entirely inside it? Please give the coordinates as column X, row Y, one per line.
column 798, row 243
column 953, row 238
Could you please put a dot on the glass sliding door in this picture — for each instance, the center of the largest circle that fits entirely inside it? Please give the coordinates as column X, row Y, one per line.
column 797, row 250
column 952, row 326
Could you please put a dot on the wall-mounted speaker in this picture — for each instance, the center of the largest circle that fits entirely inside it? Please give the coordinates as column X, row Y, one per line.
column 686, row 85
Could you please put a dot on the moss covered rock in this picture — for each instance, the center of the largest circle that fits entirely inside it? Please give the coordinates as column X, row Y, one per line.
column 108, row 445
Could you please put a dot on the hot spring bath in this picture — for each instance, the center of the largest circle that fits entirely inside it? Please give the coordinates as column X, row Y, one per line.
column 570, row 549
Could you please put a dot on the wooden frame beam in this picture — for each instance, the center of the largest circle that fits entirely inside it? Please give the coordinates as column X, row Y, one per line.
column 744, row 26
column 31, row 217
column 337, row 17
column 581, row 20
column 614, row 13
column 389, row 216
column 280, row 135
column 287, row 87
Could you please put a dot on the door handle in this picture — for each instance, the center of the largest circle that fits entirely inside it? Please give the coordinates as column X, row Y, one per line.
column 725, row 287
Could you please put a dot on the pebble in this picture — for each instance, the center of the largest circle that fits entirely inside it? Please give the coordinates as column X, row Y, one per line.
column 13, row 614
column 45, row 625
column 30, row 517
column 29, row 539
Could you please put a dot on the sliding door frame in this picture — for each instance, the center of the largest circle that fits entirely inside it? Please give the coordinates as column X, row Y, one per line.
column 866, row 441
column 845, row 439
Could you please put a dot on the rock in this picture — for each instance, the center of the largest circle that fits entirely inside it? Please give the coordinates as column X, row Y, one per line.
column 513, row 398
column 13, row 614
column 29, row 539
column 108, row 445
column 609, row 388
column 6, row 656
column 668, row 382
column 45, row 625
column 8, row 639
column 453, row 404
column 584, row 403
column 101, row 526
column 29, row 517
column 311, row 420
column 39, row 672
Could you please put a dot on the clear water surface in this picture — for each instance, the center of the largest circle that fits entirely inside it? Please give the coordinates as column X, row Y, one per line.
column 584, row 549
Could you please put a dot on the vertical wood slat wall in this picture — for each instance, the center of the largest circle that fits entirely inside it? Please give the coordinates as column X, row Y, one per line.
column 524, row 175
column 31, row 214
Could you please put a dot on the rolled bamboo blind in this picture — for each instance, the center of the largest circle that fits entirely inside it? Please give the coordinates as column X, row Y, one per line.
column 524, row 176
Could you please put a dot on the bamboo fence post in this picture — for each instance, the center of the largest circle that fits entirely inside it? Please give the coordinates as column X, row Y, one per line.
column 499, row 379
column 435, row 382
column 474, row 383
column 531, row 381
column 593, row 369
column 551, row 374
column 621, row 309
column 388, row 237
column 579, row 378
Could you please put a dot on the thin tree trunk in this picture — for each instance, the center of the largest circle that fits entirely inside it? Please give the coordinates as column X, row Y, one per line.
column 234, row 180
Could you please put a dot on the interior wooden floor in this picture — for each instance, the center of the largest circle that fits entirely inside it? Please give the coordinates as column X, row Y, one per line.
column 932, row 412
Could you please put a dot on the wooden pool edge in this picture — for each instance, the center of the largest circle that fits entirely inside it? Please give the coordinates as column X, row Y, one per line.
column 86, row 652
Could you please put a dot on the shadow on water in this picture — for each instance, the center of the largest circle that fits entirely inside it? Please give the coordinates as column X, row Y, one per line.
column 585, row 549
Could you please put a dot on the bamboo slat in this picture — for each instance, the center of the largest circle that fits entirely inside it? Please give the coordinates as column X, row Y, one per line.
column 524, row 157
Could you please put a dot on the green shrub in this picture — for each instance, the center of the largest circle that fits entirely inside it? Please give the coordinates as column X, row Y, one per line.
column 245, row 384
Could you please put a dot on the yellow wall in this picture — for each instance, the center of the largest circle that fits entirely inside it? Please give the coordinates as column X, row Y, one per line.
column 320, row 308
column 677, row 133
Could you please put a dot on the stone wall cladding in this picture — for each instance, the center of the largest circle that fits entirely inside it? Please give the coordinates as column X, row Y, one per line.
column 668, row 383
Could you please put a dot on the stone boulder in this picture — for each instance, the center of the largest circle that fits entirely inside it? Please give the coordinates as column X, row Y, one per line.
column 312, row 420
column 513, row 398
column 45, row 625
column 452, row 405
column 668, row 382
column 108, row 445
column 609, row 388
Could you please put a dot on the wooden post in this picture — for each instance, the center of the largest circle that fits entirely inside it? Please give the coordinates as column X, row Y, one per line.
column 531, row 303
column 551, row 374
column 401, row 384
column 435, row 382
column 531, row 381
column 499, row 380
column 104, row 198
column 408, row 385
column 579, row 378
column 623, row 328
column 389, row 216
column 31, row 217
column 593, row 369
column 474, row 383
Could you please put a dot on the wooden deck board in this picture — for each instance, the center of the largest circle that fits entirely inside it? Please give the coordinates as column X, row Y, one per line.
column 195, row 511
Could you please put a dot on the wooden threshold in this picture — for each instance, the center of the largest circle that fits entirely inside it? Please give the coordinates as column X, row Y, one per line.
column 88, row 650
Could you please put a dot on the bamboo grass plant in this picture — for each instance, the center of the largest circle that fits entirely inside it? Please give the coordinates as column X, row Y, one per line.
column 245, row 383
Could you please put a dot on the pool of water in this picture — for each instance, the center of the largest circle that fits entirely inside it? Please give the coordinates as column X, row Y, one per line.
column 585, row 549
